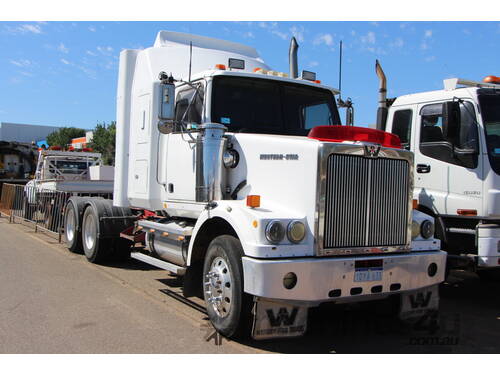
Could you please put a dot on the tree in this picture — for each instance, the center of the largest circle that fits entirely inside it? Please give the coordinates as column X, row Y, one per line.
column 103, row 141
column 63, row 136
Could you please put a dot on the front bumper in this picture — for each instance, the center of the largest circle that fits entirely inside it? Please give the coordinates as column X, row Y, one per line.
column 317, row 277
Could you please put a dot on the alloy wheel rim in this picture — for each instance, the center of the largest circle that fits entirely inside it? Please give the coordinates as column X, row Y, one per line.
column 218, row 287
column 90, row 232
column 70, row 225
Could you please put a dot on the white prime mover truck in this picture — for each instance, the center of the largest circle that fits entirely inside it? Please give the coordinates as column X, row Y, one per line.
column 229, row 181
column 455, row 136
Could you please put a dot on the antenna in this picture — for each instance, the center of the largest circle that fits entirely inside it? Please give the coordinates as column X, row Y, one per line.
column 340, row 71
column 190, row 58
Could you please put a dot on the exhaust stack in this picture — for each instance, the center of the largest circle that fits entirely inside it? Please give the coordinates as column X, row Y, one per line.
column 382, row 97
column 292, row 58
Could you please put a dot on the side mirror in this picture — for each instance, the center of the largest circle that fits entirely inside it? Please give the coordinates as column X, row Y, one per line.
column 167, row 101
column 166, row 112
column 451, row 121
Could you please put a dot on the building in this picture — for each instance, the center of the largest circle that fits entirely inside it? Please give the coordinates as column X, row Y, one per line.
column 25, row 133
column 82, row 142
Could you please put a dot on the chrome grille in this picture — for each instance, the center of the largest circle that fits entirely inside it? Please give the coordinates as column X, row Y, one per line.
column 366, row 202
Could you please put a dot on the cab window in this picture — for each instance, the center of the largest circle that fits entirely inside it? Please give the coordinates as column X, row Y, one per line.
column 401, row 126
column 182, row 100
column 433, row 142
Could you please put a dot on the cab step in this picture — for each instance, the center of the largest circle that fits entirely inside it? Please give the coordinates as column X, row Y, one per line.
column 178, row 270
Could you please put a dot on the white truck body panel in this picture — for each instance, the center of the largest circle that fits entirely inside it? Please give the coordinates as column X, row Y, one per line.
column 449, row 187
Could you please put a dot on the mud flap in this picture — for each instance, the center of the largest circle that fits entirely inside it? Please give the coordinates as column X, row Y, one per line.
column 419, row 303
column 274, row 319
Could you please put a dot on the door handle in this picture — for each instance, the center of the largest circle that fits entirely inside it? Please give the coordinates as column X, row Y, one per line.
column 423, row 168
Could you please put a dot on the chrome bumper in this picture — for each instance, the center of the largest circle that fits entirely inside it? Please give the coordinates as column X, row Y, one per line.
column 317, row 278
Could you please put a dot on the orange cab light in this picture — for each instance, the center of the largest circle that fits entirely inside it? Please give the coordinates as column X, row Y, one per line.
column 491, row 79
column 466, row 212
column 253, row 201
column 415, row 204
column 220, row 66
column 317, row 81
column 255, row 70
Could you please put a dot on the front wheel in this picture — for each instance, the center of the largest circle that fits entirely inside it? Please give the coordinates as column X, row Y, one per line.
column 228, row 307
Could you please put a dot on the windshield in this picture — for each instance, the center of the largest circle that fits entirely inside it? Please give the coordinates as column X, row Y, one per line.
column 70, row 166
column 490, row 111
column 253, row 105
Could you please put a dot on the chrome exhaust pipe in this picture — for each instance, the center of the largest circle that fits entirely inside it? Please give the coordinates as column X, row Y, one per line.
column 292, row 58
column 382, row 97
column 210, row 147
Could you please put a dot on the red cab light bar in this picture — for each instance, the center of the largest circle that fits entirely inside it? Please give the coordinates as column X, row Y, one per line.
column 340, row 133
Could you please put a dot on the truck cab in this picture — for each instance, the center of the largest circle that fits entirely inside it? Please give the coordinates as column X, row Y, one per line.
column 455, row 135
column 242, row 180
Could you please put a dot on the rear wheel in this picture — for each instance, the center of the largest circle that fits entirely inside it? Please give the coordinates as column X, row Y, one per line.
column 228, row 307
column 72, row 233
column 96, row 249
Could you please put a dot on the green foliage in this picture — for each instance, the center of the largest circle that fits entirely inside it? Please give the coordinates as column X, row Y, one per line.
column 63, row 136
column 103, row 141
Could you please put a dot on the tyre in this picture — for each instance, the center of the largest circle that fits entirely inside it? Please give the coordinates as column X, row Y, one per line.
column 28, row 209
column 96, row 250
column 228, row 307
column 72, row 231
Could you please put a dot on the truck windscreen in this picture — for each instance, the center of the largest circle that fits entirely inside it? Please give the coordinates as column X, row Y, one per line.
column 71, row 166
column 253, row 105
column 490, row 111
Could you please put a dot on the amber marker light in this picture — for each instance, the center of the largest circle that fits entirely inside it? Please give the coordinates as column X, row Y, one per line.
column 253, row 201
column 466, row 212
column 220, row 66
column 491, row 79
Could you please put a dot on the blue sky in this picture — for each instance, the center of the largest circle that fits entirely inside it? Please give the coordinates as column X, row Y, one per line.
column 64, row 73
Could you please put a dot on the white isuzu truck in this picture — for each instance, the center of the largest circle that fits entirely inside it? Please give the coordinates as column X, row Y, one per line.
column 225, row 175
column 455, row 135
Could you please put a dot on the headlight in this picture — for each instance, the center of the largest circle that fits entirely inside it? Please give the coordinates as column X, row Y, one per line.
column 415, row 229
column 296, row 231
column 427, row 229
column 275, row 232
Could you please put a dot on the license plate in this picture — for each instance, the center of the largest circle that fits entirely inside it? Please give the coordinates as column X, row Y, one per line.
column 368, row 274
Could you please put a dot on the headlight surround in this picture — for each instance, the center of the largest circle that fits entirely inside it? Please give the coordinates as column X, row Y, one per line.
column 415, row 229
column 427, row 229
column 296, row 231
column 275, row 231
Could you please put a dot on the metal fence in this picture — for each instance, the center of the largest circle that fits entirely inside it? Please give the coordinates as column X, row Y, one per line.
column 42, row 208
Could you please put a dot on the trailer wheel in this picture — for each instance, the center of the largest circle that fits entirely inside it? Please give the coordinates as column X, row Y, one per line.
column 95, row 248
column 72, row 231
column 228, row 307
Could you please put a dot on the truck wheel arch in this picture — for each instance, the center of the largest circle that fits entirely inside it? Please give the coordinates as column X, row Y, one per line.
column 209, row 229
